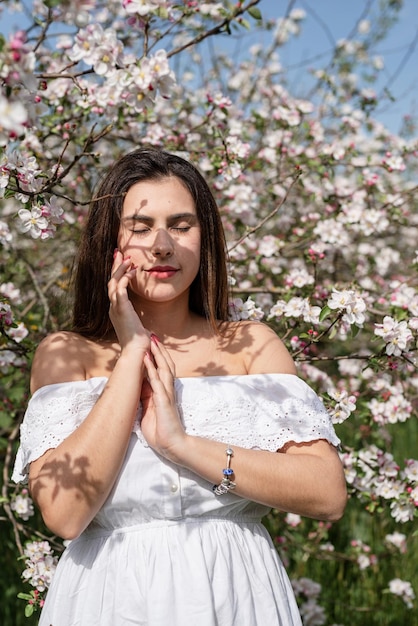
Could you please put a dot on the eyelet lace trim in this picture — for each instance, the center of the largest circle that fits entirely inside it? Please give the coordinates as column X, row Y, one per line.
column 260, row 416
column 48, row 421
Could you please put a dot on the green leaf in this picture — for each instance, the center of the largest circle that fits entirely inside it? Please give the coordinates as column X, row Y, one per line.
column 255, row 13
column 333, row 332
column 28, row 610
column 25, row 596
column 355, row 330
column 245, row 23
column 324, row 313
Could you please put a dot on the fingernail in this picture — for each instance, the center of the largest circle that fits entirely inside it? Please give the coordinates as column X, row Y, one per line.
column 148, row 354
column 154, row 338
column 115, row 251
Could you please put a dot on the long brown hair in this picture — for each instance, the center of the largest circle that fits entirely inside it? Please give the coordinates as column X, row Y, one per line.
column 209, row 290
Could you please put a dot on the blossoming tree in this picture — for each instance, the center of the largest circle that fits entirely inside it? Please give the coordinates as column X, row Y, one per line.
column 318, row 201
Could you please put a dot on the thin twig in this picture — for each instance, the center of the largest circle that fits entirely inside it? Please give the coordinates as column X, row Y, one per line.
column 40, row 293
column 17, row 526
column 251, row 231
column 215, row 30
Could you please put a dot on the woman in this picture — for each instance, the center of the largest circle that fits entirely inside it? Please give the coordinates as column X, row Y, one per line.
column 159, row 433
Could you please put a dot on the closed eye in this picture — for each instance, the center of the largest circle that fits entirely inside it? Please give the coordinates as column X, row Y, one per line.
column 142, row 224
column 140, row 231
column 143, row 231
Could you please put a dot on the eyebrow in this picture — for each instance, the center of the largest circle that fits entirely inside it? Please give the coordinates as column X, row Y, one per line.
column 140, row 217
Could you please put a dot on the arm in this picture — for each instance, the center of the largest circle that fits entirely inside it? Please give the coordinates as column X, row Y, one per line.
column 71, row 482
column 306, row 478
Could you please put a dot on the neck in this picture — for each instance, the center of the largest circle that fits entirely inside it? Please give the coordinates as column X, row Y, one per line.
column 167, row 319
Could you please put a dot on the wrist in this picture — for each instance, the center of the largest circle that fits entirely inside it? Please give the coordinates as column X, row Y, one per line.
column 178, row 452
column 135, row 349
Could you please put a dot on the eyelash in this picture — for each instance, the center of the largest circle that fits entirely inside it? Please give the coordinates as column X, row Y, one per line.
column 143, row 231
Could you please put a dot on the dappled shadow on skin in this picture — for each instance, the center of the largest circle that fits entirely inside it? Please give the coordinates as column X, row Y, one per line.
column 69, row 474
column 79, row 356
column 236, row 340
column 228, row 353
column 211, row 369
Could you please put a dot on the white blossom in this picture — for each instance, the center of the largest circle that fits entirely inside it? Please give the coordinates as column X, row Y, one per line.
column 293, row 519
column 97, row 47
column 240, row 310
column 394, row 162
column 396, row 335
column 403, row 589
column 214, row 10
column 351, row 302
column 9, row 359
column 143, row 7
column 33, row 222
column 22, row 505
column 402, row 511
column 18, row 333
column 268, row 246
column 6, row 236
column 13, row 117
column 344, row 406
column 398, row 540
column 364, row 27
column 11, row 292
column 307, row 587
column 411, row 470
column 40, row 564
column 6, row 314
column 299, row 277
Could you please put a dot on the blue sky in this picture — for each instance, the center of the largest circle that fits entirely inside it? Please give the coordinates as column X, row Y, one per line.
column 328, row 20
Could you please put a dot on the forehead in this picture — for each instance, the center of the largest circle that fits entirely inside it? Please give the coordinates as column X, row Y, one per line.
column 156, row 196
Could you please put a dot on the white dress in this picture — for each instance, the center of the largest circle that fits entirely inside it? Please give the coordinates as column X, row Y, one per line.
column 165, row 550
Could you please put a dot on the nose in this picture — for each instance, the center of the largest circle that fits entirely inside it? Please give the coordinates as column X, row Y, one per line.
column 162, row 245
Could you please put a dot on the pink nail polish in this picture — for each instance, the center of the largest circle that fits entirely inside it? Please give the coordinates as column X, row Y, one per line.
column 115, row 251
column 154, row 338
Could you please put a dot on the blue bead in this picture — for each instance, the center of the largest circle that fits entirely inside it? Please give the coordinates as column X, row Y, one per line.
column 228, row 471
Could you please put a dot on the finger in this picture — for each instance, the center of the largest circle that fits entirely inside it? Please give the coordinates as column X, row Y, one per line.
column 162, row 357
column 163, row 351
column 160, row 376
column 121, row 277
column 158, row 382
column 120, row 266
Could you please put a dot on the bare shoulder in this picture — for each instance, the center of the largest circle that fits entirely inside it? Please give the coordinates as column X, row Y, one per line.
column 263, row 351
column 59, row 358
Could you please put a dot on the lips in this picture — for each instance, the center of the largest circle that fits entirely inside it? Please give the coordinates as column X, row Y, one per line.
column 162, row 271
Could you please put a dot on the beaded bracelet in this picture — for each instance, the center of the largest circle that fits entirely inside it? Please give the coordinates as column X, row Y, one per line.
column 226, row 483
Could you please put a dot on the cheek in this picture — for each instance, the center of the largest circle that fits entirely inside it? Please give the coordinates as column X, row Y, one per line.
column 193, row 253
column 121, row 239
column 126, row 242
column 198, row 245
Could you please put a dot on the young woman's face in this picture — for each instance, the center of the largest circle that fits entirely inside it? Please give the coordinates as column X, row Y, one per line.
column 160, row 231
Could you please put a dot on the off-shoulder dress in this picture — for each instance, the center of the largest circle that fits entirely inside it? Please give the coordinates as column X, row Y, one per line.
column 164, row 550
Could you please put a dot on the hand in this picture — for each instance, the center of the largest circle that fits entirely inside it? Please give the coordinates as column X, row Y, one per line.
column 125, row 320
column 161, row 424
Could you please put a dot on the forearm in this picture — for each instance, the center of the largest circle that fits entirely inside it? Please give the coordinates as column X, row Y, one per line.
column 71, row 482
column 308, row 484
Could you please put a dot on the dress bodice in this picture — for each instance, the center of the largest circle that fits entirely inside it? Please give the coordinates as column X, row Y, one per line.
column 262, row 411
